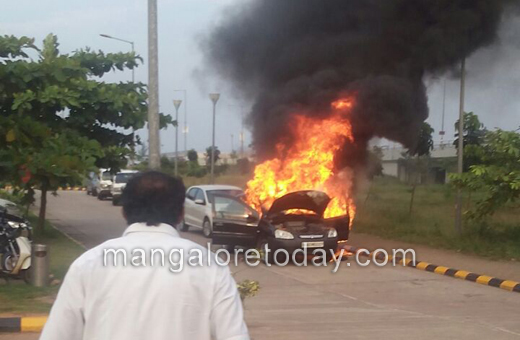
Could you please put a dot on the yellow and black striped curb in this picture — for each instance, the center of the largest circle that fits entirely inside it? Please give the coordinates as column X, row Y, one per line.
column 509, row 285
column 22, row 324
column 59, row 189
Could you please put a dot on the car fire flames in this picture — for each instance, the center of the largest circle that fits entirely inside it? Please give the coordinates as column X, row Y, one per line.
column 306, row 162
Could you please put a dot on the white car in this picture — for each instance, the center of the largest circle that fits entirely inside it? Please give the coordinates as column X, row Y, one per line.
column 119, row 183
column 103, row 183
column 197, row 207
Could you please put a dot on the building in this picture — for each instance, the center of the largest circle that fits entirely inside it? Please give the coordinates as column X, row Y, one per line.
column 442, row 160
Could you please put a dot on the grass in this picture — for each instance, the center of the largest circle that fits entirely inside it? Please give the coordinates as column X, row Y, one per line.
column 386, row 213
column 16, row 297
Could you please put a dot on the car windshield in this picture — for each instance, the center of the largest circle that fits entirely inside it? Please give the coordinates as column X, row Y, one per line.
column 230, row 192
column 124, row 177
column 106, row 176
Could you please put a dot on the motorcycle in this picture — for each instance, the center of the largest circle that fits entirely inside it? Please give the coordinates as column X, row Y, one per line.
column 15, row 245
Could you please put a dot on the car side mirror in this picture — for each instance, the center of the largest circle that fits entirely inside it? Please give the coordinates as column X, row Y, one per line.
column 199, row 201
column 251, row 218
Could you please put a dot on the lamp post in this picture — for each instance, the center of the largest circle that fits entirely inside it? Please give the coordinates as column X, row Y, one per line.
column 125, row 41
column 241, row 135
column 154, row 143
column 460, row 148
column 185, row 130
column 177, row 104
column 214, row 98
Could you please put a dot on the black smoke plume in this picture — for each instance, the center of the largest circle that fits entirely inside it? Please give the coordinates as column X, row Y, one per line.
column 300, row 55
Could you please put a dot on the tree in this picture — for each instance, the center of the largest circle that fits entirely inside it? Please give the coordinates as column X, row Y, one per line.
column 208, row 155
column 421, row 152
column 473, row 136
column 58, row 120
column 193, row 156
column 497, row 176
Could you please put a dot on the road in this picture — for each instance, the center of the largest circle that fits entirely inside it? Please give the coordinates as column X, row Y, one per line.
column 314, row 303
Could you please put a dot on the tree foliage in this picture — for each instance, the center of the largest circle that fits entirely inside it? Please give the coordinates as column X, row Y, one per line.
column 473, row 136
column 58, row 120
column 498, row 174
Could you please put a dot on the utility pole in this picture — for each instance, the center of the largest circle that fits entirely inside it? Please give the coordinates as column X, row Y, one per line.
column 214, row 98
column 442, row 132
column 460, row 167
column 177, row 104
column 185, row 130
column 153, row 88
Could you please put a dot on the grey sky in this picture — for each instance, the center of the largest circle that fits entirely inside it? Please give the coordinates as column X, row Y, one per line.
column 493, row 90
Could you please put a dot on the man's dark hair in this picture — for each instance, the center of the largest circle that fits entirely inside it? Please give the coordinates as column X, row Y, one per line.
column 153, row 198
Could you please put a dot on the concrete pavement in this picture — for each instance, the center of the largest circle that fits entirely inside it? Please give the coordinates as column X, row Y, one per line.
column 313, row 303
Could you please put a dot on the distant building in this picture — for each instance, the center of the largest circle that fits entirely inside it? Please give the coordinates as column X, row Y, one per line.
column 442, row 160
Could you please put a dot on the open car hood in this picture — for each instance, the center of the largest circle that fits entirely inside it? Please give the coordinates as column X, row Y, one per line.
column 312, row 200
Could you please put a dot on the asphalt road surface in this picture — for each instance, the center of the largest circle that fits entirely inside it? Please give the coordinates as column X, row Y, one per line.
column 314, row 303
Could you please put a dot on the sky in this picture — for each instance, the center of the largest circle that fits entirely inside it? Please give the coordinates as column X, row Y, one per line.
column 492, row 91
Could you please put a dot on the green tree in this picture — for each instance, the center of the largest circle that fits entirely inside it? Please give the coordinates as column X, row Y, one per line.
column 208, row 155
column 473, row 136
column 421, row 152
column 497, row 176
column 58, row 120
column 193, row 156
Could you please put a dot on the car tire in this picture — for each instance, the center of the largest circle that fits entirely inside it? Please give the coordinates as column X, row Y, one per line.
column 266, row 258
column 94, row 192
column 183, row 226
column 207, row 229
column 100, row 197
column 115, row 201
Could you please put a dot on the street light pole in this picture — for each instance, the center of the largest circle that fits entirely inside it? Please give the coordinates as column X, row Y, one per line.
column 125, row 41
column 214, row 98
column 460, row 167
column 177, row 104
column 185, row 130
column 153, row 88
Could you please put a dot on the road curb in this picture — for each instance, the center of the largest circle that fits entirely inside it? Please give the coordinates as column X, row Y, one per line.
column 487, row 280
column 33, row 324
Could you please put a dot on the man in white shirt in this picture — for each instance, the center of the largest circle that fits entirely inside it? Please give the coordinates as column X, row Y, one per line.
column 104, row 297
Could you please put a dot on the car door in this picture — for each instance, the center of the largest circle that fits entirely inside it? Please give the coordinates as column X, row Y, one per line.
column 199, row 208
column 234, row 222
column 188, row 206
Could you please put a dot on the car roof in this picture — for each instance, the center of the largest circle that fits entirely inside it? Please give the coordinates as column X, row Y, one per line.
column 127, row 172
column 216, row 187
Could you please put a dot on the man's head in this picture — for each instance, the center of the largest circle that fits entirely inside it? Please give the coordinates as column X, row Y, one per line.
column 153, row 198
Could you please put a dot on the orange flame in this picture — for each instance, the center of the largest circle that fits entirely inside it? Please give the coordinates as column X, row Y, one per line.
column 307, row 163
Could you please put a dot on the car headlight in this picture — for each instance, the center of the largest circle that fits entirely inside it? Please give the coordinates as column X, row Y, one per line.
column 332, row 233
column 13, row 225
column 284, row 235
column 104, row 186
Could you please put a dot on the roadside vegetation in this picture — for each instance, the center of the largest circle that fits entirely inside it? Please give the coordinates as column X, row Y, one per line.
column 18, row 298
column 386, row 214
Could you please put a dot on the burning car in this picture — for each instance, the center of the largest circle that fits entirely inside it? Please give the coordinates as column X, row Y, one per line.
column 294, row 221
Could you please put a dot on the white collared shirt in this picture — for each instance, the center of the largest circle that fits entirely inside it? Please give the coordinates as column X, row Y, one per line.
column 102, row 301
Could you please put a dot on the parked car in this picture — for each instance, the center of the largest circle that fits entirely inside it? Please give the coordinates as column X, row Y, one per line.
column 103, row 185
column 198, row 207
column 294, row 221
column 119, row 182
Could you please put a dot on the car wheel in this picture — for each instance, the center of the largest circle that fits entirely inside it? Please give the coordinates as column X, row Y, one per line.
column 183, row 226
column 266, row 257
column 207, row 230
column 100, row 197
column 115, row 201
column 94, row 192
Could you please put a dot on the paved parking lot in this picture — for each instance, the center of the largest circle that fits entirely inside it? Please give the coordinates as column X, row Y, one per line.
column 313, row 303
